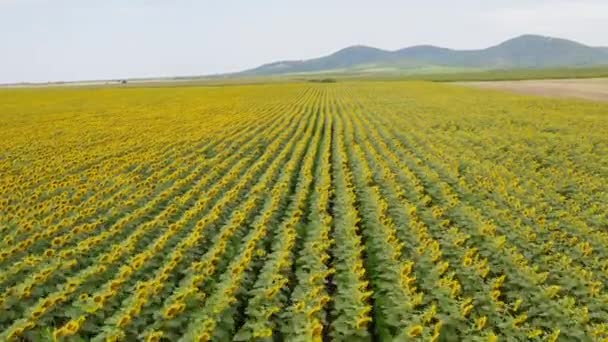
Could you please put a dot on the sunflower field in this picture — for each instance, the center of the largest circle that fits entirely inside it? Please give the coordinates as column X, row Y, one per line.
column 348, row 211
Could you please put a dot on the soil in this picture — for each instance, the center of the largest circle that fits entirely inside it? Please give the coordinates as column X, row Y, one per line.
column 591, row 89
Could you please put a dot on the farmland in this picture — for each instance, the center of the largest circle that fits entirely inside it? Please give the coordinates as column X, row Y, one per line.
column 595, row 89
column 348, row 211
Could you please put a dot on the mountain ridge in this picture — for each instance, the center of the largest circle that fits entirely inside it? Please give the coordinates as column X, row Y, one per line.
column 525, row 51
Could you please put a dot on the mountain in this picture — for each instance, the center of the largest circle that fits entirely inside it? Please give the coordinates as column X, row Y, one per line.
column 345, row 58
column 540, row 52
column 527, row 51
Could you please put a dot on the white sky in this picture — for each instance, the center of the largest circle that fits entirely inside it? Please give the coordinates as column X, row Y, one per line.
column 52, row 40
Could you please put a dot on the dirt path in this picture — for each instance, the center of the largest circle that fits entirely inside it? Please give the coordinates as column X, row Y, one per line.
column 590, row 89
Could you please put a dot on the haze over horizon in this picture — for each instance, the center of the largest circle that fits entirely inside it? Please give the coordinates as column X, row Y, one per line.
column 68, row 40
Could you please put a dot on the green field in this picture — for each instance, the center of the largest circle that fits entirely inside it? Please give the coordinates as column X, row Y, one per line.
column 517, row 74
column 302, row 211
column 435, row 74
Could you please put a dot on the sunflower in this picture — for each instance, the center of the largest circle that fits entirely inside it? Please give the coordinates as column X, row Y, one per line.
column 362, row 322
column 154, row 336
column 415, row 331
column 174, row 309
column 203, row 337
column 519, row 320
column 124, row 321
column 15, row 333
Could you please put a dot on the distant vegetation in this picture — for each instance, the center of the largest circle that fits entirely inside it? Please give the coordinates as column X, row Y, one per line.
column 323, row 80
column 516, row 74
column 449, row 75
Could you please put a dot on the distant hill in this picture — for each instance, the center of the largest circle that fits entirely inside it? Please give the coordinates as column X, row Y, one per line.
column 527, row 51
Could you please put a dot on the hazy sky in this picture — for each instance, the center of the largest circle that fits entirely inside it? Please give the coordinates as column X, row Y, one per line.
column 50, row 40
